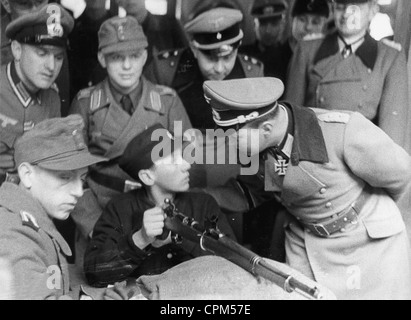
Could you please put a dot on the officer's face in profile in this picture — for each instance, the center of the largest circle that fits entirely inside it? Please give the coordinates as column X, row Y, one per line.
column 124, row 68
column 56, row 191
column 269, row 31
column 37, row 66
column 308, row 25
column 171, row 174
column 352, row 20
column 215, row 67
column 22, row 7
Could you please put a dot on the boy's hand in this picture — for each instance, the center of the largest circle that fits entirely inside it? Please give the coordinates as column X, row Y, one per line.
column 153, row 223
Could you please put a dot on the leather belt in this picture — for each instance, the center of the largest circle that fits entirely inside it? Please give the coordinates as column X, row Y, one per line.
column 328, row 227
column 114, row 183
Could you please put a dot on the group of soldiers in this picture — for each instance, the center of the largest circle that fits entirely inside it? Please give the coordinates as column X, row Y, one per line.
column 333, row 158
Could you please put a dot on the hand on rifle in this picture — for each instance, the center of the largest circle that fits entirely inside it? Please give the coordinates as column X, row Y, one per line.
column 153, row 227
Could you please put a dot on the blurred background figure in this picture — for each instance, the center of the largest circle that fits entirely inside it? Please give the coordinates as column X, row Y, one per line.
column 309, row 20
column 269, row 47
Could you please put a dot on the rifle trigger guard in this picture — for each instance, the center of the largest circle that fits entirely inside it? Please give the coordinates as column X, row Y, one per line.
column 256, row 260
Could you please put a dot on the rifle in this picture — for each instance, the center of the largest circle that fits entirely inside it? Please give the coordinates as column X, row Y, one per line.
column 213, row 241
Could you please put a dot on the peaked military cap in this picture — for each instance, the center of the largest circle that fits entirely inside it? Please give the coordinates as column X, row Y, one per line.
column 241, row 101
column 56, row 144
column 120, row 34
column 216, row 29
column 318, row 7
column 50, row 25
column 268, row 9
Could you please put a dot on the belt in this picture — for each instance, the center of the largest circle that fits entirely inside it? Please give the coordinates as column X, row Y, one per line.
column 338, row 223
column 114, row 183
column 9, row 177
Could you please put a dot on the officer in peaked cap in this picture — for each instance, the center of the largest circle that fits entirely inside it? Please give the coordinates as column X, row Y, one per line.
column 52, row 161
column 309, row 19
column 339, row 193
column 269, row 46
column 28, row 93
column 350, row 70
column 215, row 36
column 115, row 110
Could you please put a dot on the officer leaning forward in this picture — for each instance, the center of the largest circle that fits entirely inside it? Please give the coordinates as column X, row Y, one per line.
column 28, row 94
column 345, row 230
column 115, row 111
column 215, row 36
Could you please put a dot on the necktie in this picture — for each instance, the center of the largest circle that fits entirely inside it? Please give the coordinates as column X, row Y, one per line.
column 347, row 51
column 127, row 104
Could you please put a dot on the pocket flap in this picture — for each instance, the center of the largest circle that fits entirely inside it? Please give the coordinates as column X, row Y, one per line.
column 384, row 228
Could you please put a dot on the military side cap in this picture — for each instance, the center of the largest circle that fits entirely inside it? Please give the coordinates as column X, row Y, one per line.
column 215, row 28
column 239, row 101
column 50, row 25
column 268, row 9
column 318, row 7
column 121, row 34
column 56, row 144
column 141, row 153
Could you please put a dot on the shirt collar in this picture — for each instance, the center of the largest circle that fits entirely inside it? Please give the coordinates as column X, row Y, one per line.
column 25, row 97
column 134, row 95
column 308, row 144
column 367, row 51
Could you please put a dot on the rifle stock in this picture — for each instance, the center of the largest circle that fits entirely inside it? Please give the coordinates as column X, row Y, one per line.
column 213, row 241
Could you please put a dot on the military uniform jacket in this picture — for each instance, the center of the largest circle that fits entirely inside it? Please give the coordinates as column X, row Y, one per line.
column 179, row 69
column 112, row 256
column 20, row 111
column 32, row 247
column 372, row 81
column 335, row 157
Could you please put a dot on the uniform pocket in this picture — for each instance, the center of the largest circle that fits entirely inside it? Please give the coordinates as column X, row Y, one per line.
column 384, row 228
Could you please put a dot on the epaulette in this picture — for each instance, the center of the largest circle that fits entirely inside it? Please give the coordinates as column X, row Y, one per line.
column 165, row 91
column 95, row 101
column 55, row 87
column 334, row 117
column 29, row 221
column 397, row 46
column 85, row 93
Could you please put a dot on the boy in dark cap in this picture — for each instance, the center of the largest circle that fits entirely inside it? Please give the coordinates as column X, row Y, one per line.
column 28, row 94
column 270, row 47
column 52, row 161
column 309, row 20
column 116, row 110
column 349, row 70
column 125, row 239
column 345, row 229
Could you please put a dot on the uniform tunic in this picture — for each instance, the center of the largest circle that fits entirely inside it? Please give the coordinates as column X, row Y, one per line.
column 372, row 81
column 20, row 111
column 33, row 248
column 336, row 157
column 108, row 130
column 112, row 255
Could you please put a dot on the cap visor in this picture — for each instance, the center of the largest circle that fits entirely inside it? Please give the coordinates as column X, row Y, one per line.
column 75, row 162
column 125, row 46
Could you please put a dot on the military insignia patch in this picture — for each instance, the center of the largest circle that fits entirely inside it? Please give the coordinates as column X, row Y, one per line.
column 95, row 100
column 155, row 101
column 29, row 221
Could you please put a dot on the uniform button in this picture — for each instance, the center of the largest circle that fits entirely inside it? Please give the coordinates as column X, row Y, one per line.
column 369, row 71
column 172, row 64
column 249, row 68
column 323, row 190
column 308, row 230
column 328, row 205
column 365, row 87
column 170, row 256
column 322, row 100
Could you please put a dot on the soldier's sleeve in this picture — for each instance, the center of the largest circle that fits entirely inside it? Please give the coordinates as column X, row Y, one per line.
column 375, row 158
column 394, row 115
column 177, row 112
column 296, row 83
column 31, row 277
column 80, row 105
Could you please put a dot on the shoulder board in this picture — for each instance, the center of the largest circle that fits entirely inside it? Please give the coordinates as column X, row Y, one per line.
column 85, row 93
column 334, row 117
column 95, row 100
column 397, row 46
column 165, row 91
column 29, row 221
column 55, row 87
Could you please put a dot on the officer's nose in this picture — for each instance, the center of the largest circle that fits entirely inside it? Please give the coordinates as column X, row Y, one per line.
column 126, row 63
column 50, row 62
column 309, row 27
column 219, row 66
column 77, row 188
column 185, row 166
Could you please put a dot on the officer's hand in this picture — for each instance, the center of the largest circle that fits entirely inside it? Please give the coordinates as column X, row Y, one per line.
column 153, row 223
column 118, row 292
